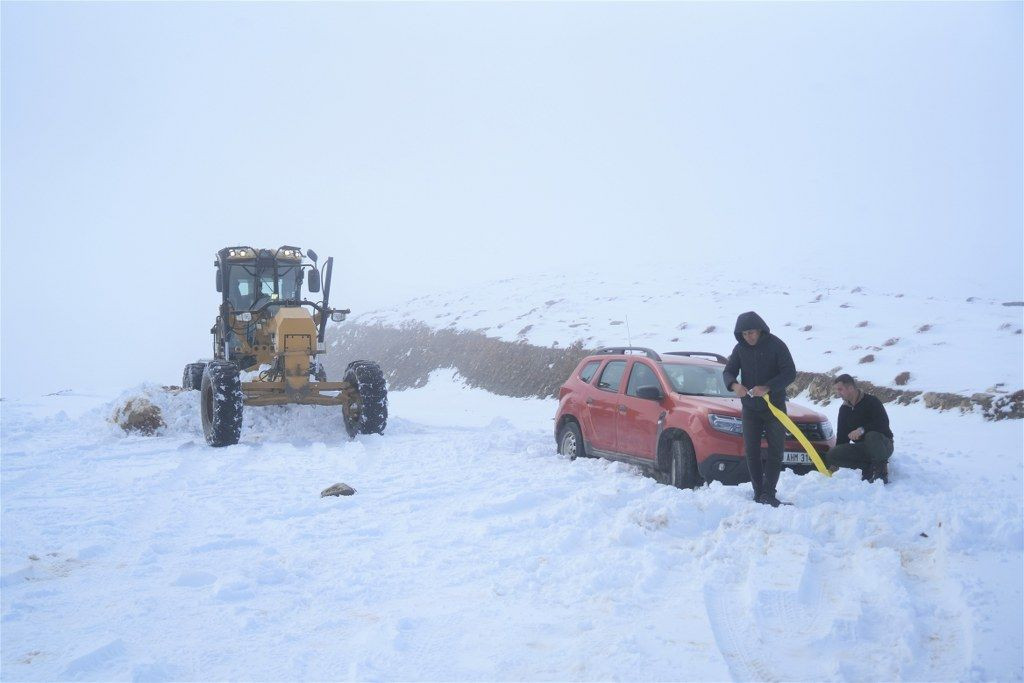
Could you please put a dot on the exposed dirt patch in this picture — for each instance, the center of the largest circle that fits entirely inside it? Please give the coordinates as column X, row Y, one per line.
column 902, row 379
column 1006, row 407
column 819, row 389
column 408, row 355
column 137, row 415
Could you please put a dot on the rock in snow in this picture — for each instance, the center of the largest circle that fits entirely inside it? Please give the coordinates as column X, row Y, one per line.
column 337, row 490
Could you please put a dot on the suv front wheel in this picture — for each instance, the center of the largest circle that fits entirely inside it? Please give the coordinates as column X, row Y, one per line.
column 683, row 472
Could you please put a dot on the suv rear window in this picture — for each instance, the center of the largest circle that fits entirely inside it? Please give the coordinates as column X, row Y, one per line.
column 587, row 373
column 611, row 376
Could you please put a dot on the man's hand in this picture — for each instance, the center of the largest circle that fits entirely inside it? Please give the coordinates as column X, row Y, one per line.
column 739, row 389
column 759, row 391
column 856, row 433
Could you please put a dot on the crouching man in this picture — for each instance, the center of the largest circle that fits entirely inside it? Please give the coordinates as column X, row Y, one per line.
column 863, row 437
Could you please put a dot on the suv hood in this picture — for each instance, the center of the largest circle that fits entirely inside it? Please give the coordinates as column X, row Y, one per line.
column 731, row 406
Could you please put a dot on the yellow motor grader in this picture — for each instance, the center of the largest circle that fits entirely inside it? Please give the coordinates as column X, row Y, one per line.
column 266, row 329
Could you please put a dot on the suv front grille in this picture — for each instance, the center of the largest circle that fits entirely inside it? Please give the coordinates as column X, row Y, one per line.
column 812, row 430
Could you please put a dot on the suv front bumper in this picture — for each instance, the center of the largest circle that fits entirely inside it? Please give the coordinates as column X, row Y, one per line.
column 728, row 469
column 732, row 469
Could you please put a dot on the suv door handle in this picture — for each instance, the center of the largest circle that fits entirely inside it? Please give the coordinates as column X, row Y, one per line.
column 590, row 401
column 622, row 408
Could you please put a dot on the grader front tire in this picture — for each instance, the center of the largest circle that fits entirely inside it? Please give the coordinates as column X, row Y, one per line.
column 221, row 403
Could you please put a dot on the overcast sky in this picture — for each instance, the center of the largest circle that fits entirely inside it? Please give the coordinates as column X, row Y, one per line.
column 430, row 146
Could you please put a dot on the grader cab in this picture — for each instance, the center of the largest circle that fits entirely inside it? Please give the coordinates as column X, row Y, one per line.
column 267, row 341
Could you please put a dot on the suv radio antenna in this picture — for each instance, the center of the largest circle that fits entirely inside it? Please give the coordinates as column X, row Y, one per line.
column 629, row 337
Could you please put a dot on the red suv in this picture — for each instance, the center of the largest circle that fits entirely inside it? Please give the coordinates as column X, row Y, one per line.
column 670, row 414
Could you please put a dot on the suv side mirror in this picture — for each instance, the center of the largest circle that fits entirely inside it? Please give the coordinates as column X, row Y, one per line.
column 650, row 393
column 219, row 286
column 313, row 280
column 311, row 254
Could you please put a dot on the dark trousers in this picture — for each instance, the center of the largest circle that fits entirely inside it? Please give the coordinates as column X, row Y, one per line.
column 874, row 448
column 764, row 470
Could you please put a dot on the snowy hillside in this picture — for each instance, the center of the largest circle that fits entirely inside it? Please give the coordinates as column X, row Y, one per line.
column 471, row 551
column 963, row 344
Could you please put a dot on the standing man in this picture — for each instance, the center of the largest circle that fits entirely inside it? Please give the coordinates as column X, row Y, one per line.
column 766, row 367
column 863, row 439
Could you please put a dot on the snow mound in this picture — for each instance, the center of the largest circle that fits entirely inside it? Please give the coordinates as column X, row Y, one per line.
column 176, row 413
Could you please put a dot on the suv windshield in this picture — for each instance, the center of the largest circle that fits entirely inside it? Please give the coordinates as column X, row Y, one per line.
column 245, row 289
column 696, row 380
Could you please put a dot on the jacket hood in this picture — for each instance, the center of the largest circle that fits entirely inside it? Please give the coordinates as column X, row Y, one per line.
column 750, row 321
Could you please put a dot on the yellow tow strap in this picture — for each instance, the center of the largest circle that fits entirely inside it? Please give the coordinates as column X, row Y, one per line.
column 795, row 431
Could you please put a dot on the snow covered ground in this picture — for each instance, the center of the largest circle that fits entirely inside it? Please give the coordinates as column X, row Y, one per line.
column 962, row 343
column 471, row 551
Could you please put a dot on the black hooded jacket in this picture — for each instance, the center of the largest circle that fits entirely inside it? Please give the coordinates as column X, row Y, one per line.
column 767, row 363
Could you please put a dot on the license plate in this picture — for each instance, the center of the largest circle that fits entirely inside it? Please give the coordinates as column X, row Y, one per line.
column 796, row 458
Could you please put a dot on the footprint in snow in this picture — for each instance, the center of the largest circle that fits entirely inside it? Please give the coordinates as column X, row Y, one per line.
column 194, row 580
column 236, row 591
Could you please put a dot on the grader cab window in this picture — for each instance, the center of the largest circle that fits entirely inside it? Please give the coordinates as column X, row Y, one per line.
column 289, row 281
column 246, row 290
column 240, row 288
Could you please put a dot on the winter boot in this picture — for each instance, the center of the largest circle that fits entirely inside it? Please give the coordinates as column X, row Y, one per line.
column 880, row 470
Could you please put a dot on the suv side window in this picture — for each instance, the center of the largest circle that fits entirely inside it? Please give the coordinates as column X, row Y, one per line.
column 587, row 373
column 611, row 376
column 641, row 376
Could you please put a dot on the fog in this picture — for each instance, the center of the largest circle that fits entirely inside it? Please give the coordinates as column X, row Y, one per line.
column 431, row 146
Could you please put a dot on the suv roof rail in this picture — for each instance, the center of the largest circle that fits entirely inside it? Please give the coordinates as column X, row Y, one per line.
column 717, row 357
column 650, row 353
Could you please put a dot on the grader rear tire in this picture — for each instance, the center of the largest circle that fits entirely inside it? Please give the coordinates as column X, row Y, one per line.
column 221, row 404
column 369, row 413
column 192, row 377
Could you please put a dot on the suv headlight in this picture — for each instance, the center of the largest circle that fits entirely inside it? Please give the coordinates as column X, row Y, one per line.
column 726, row 423
column 244, row 317
column 826, row 430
